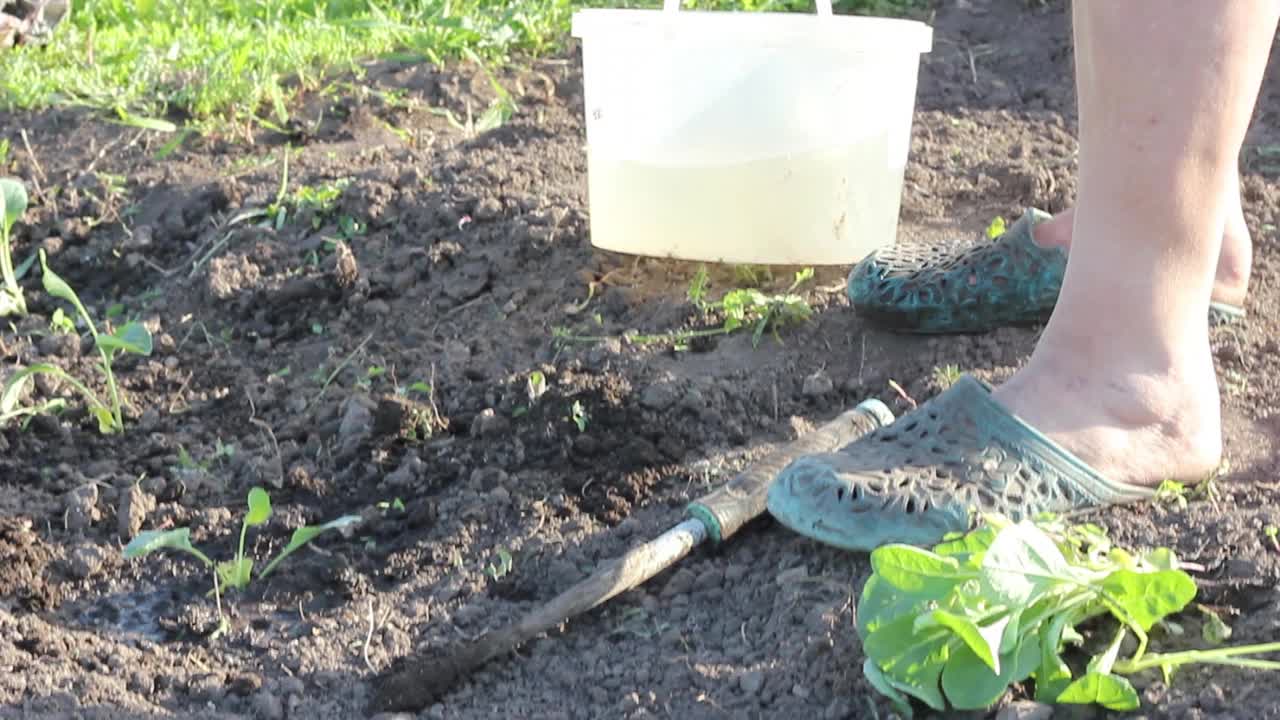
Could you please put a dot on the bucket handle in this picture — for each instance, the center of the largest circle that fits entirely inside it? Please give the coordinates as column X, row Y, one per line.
column 824, row 6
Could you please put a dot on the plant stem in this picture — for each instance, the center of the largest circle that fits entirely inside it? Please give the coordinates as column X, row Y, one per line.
column 1224, row 656
column 111, row 387
column 205, row 559
column 244, row 529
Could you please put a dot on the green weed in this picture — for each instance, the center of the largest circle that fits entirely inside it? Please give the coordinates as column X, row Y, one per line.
column 996, row 228
column 132, row 338
column 579, row 416
column 740, row 308
column 946, row 376
column 955, row 626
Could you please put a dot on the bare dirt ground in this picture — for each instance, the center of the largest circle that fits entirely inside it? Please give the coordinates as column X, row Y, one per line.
column 297, row 358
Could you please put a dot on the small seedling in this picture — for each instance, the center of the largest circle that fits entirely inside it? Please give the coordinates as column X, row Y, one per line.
column 132, row 337
column 946, row 376
column 237, row 572
column 497, row 572
column 537, row 385
column 697, row 292
column 1172, row 492
column 1271, row 531
column 579, row 416
column 13, row 203
column 996, row 228
column 60, row 322
column 1215, row 631
column 955, row 626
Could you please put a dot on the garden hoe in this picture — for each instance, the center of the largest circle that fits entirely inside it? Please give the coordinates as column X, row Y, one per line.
column 415, row 682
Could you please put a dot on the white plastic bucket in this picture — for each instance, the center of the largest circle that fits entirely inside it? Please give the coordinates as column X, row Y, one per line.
column 747, row 137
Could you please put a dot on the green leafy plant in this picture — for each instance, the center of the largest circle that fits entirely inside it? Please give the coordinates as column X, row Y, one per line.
column 132, row 337
column 766, row 312
column 13, row 203
column 955, row 626
column 237, row 572
column 1271, row 531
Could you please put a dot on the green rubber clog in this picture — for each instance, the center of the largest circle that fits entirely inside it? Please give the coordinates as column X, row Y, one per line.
column 1009, row 281
column 934, row 471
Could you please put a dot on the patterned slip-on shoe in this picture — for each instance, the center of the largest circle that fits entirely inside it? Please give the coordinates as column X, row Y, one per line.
column 934, row 471
column 1009, row 281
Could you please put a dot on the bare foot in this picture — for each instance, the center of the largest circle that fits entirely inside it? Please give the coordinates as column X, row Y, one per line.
column 1129, row 424
column 1231, row 281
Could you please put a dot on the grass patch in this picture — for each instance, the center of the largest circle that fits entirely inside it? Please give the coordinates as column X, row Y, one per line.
column 216, row 62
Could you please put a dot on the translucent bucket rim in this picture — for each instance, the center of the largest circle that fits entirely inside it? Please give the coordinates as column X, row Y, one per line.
column 853, row 33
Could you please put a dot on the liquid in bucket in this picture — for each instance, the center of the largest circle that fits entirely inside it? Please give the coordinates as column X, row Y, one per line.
column 810, row 208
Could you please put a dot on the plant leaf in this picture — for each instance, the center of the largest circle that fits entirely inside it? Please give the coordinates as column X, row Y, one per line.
column 106, row 420
column 1109, row 691
column 259, row 507
column 971, row 685
column 1022, row 564
column 887, row 688
column 917, row 571
column 913, row 661
column 1149, row 597
column 968, row 548
column 11, row 396
column 1053, row 675
column 55, row 285
column 13, row 203
column 882, row 603
column 306, row 534
column 152, row 540
column 983, row 641
column 131, row 338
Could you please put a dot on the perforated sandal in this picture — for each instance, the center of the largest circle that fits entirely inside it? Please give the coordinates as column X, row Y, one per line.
column 1009, row 281
column 936, row 470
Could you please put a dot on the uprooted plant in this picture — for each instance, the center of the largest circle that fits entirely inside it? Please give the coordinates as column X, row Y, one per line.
column 956, row 626
column 132, row 337
column 13, row 203
column 237, row 572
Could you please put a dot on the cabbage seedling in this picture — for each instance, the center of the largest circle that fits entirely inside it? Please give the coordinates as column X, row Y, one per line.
column 132, row 337
column 237, row 572
column 13, row 203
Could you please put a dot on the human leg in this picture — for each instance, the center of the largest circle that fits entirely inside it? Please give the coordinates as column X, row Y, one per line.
column 1120, row 392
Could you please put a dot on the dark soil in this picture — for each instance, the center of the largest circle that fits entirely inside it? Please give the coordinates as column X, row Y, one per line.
column 379, row 348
